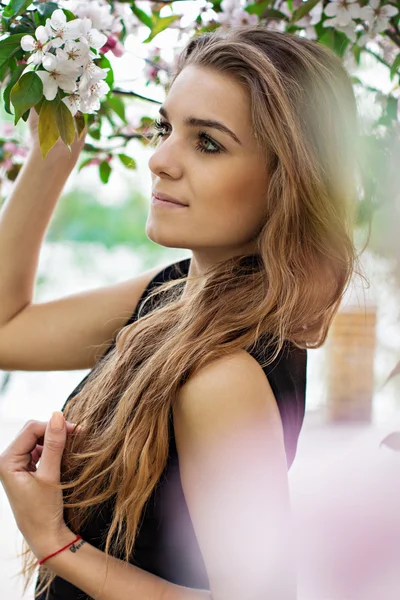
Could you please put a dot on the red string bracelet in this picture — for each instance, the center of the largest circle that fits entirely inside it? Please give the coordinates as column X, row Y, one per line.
column 78, row 537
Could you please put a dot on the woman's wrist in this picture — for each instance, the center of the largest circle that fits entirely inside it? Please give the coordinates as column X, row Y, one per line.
column 50, row 543
column 60, row 159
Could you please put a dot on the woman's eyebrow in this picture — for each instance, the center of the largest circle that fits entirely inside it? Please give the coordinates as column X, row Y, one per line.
column 195, row 122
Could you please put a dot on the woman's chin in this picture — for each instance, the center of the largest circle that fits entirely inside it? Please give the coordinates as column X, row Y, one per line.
column 160, row 235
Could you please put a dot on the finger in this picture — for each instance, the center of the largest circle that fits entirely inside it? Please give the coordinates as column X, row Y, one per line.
column 53, row 447
column 36, row 454
column 71, row 428
column 27, row 438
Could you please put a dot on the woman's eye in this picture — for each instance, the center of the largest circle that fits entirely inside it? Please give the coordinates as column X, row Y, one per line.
column 158, row 131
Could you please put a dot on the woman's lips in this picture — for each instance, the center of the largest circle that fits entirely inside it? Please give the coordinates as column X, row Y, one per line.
column 166, row 203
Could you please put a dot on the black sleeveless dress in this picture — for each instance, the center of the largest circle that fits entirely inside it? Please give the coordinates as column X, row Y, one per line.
column 166, row 543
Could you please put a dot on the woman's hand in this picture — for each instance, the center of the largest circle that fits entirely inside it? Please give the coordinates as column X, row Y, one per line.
column 38, row 508
column 59, row 150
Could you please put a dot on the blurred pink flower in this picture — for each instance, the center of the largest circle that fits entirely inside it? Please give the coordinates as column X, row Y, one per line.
column 10, row 147
column 21, row 152
column 7, row 163
column 7, row 129
column 114, row 45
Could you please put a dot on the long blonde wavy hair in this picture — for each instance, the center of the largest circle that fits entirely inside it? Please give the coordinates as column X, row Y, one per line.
column 305, row 119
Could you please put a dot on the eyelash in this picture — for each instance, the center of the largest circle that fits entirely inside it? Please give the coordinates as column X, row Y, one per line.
column 158, row 128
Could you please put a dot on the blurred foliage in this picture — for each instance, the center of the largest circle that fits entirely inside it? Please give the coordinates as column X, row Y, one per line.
column 81, row 217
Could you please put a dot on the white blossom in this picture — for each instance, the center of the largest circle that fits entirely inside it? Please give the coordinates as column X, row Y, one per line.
column 75, row 52
column 241, row 17
column 103, row 18
column 60, row 30
column 99, row 14
column 124, row 18
column 70, row 66
column 123, row 12
column 378, row 16
column 38, row 46
column 228, row 7
column 93, row 38
column 349, row 31
column 91, row 74
column 90, row 101
column 58, row 74
column 342, row 11
column 73, row 102
column 234, row 15
column 284, row 8
column 309, row 20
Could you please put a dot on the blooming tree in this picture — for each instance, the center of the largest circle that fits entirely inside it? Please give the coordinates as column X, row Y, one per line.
column 54, row 58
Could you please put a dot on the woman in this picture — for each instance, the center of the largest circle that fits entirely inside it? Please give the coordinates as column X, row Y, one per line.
column 189, row 422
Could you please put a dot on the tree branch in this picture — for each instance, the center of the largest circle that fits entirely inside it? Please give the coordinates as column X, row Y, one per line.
column 394, row 37
column 135, row 95
column 378, row 58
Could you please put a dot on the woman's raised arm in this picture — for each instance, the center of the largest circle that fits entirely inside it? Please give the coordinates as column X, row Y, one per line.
column 65, row 333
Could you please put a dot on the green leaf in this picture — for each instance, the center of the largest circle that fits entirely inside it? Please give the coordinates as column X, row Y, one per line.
column 95, row 132
column 104, row 63
column 37, row 18
column 357, row 53
column 80, row 123
column 141, row 15
column 356, row 79
column 25, row 24
column 336, row 40
column 118, row 106
column 46, row 9
column 5, row 69
column 395, row 66
column 84, row 163
column 16, row 72
column 272, row 13
column 65, row 122
column 127, row 161
column 9, row 47
column 158, row 25
column 13, row 172
column 16, row 7
column 258, row 8
column 90, row 148
column 303, row 10
column 390, row 113
column 47, row 128
column 27, row 92
column 105, row 171
column 70, row 15
column 109, row 116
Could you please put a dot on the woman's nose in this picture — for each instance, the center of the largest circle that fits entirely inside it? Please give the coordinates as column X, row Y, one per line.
column 167, row 158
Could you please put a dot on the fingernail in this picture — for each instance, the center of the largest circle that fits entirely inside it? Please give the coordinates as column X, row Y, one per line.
column 57, row 421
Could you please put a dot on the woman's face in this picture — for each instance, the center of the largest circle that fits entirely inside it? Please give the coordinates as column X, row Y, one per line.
column 225, row 189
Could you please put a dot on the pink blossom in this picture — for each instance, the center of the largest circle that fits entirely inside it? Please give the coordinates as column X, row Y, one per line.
column 7, row 128
column 114, row 45
column 119, row 50
column 21, row 152
column 7, row 164
column 10, row 147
